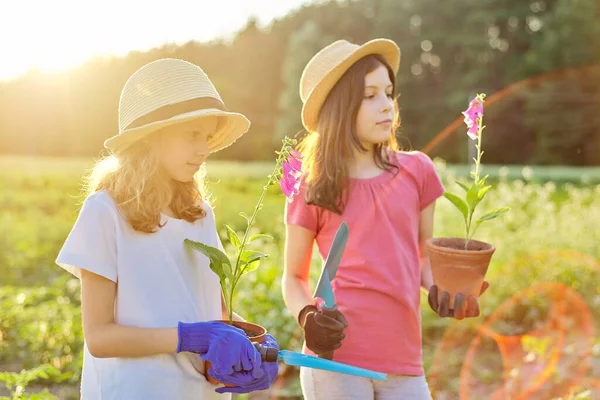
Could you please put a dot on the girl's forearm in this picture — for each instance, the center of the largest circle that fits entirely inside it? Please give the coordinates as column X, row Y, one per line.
column 426, row 275
column 295, row 294
column 113, row 340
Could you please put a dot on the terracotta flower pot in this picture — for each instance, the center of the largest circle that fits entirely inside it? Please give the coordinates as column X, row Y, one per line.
column 255, row 333
column 456, row 270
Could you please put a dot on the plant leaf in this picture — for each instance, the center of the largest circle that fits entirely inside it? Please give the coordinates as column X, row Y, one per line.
column 259, row 236
column 227, row 271
column 473, row 198
column 463, row 186
column 216, row 257
column 249, row 267
column 245, row 216
column 483, row 191
column 492, row 214
column 249, row 256
column 458, row 203
column 251, row 260
column 233, row 237
column 482, row 180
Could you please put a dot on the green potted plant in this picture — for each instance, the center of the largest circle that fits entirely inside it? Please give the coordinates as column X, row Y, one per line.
column 459, row 264
column 230, row 268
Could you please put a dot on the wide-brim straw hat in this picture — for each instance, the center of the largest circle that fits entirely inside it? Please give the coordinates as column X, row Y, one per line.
column 326, row 67
column 172, row 91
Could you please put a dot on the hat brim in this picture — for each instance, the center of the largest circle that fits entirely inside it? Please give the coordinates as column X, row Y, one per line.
column 234, row 125
column 314, row 101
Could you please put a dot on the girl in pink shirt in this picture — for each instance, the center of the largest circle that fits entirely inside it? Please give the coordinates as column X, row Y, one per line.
column 354, row 172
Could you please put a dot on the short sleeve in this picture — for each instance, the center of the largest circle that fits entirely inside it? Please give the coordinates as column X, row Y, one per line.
column 431, row 184
column 91, row 244
column 298, row 212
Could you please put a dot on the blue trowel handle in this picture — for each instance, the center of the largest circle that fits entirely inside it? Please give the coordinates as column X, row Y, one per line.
column 268, row 354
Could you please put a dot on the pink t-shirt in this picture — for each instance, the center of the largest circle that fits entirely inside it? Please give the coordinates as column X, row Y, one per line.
column 377, row 285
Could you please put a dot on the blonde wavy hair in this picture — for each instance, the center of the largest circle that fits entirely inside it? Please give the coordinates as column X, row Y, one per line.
column 141, row 189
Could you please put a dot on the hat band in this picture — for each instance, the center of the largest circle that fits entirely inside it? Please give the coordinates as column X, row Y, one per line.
column 172, row 110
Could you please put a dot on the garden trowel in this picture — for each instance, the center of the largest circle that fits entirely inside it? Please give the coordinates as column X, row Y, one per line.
column 270, row 354
column 323, row 289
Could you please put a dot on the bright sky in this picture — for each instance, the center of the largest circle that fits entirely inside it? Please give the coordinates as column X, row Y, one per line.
column 58, row 34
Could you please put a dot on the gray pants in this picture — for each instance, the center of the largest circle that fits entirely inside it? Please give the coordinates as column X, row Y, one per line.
column 325, row 385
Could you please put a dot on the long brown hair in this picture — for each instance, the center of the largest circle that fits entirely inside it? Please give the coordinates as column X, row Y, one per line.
column 141, row 189
column 327, row 149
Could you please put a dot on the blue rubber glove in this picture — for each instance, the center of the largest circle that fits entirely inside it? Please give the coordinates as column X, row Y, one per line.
column 244, row 382
column 227, row 348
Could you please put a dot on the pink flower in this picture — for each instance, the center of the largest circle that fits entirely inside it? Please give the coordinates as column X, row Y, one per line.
column 289, row 189
column 296, row 154
column 292, row 171
column 473, row 131
column 473, row 117
column 294, row 161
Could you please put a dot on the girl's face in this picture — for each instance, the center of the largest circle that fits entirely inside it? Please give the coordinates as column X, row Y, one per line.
column 183, row 148
column 375, row 116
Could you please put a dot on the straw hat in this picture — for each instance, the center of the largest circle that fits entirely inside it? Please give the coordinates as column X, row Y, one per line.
column 167, row 92
column 327, row 66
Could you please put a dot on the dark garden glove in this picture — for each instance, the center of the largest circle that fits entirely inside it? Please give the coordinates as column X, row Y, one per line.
column 323, row 330
column 463, row 308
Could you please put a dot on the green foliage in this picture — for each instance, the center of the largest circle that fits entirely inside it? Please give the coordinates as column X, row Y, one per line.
column 550, row 235
column 16, row 383
column 42, row 325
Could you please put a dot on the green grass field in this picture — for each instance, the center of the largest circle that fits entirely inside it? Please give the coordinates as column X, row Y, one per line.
column 550, row 235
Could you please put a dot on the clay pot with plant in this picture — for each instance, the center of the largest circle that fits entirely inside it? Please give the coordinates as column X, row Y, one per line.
column 459, row 264
column 287, row 171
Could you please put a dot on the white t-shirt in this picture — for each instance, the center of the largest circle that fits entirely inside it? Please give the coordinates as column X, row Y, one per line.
column 160, row 282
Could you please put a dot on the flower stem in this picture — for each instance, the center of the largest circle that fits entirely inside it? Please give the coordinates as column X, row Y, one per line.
column 475, row 176
column 256, row 209
column 237, row 273
column 468, row 230
column 478, row 146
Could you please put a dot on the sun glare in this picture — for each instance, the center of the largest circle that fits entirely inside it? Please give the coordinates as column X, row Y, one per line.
column 62, row 34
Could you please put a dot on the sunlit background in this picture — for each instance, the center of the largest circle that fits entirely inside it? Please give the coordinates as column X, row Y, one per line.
column 61, row 34
column 64, row 63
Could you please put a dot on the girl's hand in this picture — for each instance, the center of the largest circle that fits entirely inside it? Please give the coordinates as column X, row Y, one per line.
column 244, row 382
column 462, row 309
column 323, row 333
column 225, row 346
